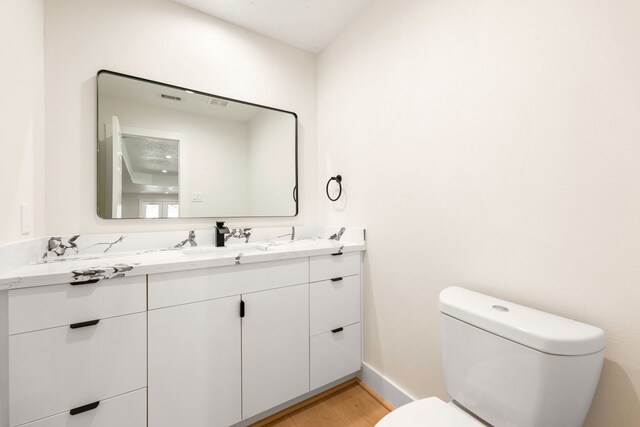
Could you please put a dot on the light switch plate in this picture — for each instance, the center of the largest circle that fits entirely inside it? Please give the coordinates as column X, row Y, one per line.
column 196, row 196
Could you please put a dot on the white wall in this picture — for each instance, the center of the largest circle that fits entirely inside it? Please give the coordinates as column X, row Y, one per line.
column 21, row 116
column 161, row 41
column 492, row 145
column 214, row 150
column 270, row 162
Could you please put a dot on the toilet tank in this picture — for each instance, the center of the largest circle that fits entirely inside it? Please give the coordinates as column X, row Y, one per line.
column 513, row 366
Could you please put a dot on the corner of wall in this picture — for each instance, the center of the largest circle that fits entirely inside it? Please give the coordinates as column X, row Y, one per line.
column 4, row 359
column 390, row 391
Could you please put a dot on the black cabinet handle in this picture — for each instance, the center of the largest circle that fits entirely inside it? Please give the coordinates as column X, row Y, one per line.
column 84, row 324
column 85, row 408
column 84, row 282
column 336, row 279
column 336, row 254
column 241, row 308
column 335, row 331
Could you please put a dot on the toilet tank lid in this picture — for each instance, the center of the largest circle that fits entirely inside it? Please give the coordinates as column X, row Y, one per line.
column 533, row 328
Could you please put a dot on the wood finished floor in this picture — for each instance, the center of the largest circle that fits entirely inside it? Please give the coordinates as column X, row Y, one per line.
column 352, row 406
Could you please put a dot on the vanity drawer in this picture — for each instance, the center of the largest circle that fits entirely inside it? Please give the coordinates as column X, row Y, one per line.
column 334, row 303
column 44, row 307
column 335, row 355
column 54, row 370
column 127, row 410
column 168, row 289
column 329, row 266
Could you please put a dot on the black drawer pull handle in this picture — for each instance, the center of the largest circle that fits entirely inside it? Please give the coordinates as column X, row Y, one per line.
column 84, row 282
column 84, row 324
column 85, row 408
column 336, row 279
column 336, row 254
column 335, row 331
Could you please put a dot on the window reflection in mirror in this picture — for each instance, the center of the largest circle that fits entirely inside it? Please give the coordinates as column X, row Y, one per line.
column 168, row 152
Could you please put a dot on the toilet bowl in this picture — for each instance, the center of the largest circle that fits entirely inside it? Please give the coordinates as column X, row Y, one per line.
column 508, row 365
column 429, row 412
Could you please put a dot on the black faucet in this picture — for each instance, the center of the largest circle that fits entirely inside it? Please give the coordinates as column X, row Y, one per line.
column 220, row 231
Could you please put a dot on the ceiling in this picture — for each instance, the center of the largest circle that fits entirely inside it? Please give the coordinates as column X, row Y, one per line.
column 152, row 155
column 307, row 24
column 151, row 165
column 149, row 93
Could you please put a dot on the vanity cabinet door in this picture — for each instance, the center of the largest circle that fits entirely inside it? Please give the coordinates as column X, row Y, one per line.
column 194, row 364
column 275, row 348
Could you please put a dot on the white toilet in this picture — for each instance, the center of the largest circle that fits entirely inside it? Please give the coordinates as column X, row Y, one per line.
column 508, row 365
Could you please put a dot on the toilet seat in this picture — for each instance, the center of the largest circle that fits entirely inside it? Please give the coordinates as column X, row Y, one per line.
column 429, row 412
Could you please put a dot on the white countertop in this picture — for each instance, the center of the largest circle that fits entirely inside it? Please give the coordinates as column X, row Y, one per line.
column 75, row 269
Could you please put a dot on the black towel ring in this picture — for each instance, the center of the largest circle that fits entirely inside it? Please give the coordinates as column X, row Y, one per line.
column 337, row 179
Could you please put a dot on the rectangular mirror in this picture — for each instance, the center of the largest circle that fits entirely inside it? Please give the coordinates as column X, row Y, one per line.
column 171, row 152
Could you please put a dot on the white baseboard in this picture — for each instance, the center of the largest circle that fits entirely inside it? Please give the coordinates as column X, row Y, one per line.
column 386, row 388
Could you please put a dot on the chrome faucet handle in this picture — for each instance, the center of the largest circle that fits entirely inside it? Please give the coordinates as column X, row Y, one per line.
column 56, row 246
column 191, row 240
column 246, row 234
column 54, row 243
column 239, row 233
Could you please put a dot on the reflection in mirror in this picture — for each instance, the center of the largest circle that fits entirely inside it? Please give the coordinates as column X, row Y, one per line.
column 168, row 152
column 150, row 177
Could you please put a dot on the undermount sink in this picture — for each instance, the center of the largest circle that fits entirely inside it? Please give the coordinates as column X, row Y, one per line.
column 157, row 253
column 301, row 244
column 202, row 250
column 267, row 246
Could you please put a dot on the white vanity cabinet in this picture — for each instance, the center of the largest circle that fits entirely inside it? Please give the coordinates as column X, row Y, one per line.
column 200, row 347
column 211, row 363
column 275, row 347
column 78, row 352
column 194, row 364
column 335, row 310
